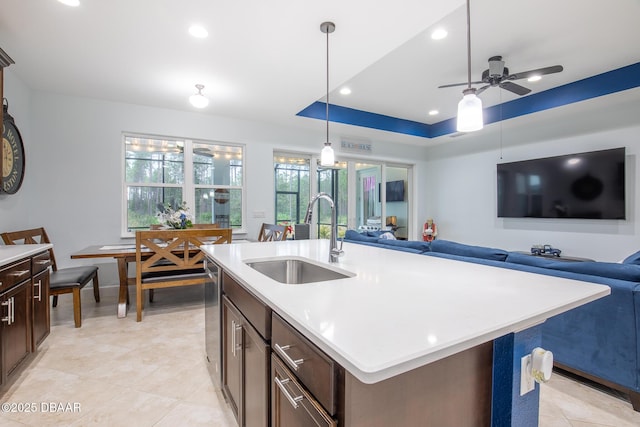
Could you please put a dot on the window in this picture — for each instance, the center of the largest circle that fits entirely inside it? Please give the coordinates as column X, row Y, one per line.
column 163, row 171
column 292, row 188
column 354, row 185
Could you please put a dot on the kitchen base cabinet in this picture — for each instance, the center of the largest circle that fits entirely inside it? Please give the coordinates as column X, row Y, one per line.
column 41, row 325
column 15, row 331
column 306, row 387
column 291, row 404
column 245, row 368
column 24, row 311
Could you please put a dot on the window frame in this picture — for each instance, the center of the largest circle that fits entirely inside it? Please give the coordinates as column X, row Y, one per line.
column 188, row 185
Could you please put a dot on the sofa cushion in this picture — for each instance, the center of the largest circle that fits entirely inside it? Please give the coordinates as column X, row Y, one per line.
column 536, row 261
column 412, row 244
column 632, row 259
column 359, row 237
column 613, row 270
column 460, row 249
column 629, row 272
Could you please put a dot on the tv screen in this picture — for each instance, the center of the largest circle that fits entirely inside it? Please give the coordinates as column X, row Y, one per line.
column 395, row 191
column 583, row 185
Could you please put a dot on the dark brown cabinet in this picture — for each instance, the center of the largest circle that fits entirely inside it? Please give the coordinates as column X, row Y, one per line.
column 245, row 356
column 291, row 404
column 40, row 308
column 15, row 331
column 273, row 375
column 24, row 310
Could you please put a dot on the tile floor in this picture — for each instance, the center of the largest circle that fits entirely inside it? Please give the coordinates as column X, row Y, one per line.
column 118, row 372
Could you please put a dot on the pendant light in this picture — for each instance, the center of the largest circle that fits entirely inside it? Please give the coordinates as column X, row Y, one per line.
column 198, row 100
column 327, row 157
column 470, row 107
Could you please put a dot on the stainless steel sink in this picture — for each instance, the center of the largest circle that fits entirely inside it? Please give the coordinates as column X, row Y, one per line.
column 296, row 271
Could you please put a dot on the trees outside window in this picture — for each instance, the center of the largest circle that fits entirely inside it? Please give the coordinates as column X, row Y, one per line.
column 160, row 171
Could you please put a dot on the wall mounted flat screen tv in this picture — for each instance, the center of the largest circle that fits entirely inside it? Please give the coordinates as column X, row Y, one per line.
column 395, row 191
column 582, row 185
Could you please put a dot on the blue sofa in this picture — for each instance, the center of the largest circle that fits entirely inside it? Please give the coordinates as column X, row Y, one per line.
column 599, row 341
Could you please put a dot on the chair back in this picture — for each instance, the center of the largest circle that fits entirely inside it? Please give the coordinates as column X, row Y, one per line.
column 197, row 226
column 272, row 232
column 205, row 226
column 168, row 252
column 30, row 237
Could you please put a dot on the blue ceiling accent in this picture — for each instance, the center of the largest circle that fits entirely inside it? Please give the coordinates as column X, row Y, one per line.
column 602, row 84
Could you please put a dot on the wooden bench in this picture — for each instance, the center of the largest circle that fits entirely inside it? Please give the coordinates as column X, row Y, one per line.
column 168, row 258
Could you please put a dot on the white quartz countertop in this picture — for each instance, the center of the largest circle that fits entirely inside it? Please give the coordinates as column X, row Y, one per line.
column 401, row 311
column 11, row 253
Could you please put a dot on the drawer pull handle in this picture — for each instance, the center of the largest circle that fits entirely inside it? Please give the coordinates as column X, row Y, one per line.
column 20, row 273
column 43, row 262
column 282, row 351
column 293, row 400
column 10, row 312
column 234, row 342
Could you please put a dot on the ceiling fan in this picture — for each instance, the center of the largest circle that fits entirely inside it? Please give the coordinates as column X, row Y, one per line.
column 498, row 75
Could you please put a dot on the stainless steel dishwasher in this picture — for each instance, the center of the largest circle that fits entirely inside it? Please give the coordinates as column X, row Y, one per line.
column 212, row 327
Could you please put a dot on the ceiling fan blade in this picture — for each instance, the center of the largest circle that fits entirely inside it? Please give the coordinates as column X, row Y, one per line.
column 538, row 72
column 459, row 84
column 482, row 89
column 515, row 88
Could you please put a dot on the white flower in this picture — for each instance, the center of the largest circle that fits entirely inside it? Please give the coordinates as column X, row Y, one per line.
column 176, row 218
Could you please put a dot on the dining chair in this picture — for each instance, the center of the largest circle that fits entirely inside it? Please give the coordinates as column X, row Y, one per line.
column 68, row 280
column 197, row 226
column 170, row 258
column 272, row 232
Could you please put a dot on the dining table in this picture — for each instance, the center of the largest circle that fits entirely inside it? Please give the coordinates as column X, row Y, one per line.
column 123, row 253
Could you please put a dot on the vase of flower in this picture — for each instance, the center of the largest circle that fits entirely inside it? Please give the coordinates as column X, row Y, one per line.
column 176, row 218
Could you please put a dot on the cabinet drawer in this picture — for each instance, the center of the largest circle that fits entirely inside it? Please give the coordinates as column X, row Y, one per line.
column 315, row 369
column 258, row 314
column 40, row 262
column 15, row 273
column 291, row 404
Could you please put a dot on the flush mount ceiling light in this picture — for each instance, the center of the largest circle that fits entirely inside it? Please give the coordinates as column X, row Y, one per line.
column 72, row 3
column 198, row 31
column 327, row 157
column 439, row 34
column 198, row 100
column 470, row 107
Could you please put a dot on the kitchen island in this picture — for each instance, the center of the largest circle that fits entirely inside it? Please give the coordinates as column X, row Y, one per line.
column 401, row 318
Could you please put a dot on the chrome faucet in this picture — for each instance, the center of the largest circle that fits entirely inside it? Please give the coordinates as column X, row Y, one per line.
column 334, row 251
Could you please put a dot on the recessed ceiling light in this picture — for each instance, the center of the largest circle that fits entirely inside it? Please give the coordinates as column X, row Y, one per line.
column 434, row 112
column 439, row 34
column 73, row 3
column 345, row 91
column 534, row 78
column 198, row 31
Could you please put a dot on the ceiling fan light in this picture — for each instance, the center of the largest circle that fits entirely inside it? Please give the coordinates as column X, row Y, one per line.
column 469, row 112
column 327, row 157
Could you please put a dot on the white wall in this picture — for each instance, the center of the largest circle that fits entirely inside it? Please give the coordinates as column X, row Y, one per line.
column 462, row 194
column 74, row 159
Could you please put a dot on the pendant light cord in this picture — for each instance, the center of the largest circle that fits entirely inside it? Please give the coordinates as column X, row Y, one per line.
column 327, row 100
column 469, row 43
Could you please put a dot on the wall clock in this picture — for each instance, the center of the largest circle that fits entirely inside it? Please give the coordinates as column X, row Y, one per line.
column 12, row 153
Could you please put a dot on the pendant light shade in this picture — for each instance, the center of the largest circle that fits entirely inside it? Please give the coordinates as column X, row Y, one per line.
column 327, row 157
column 470, row 107
column 198, row 100
column 469, row 112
